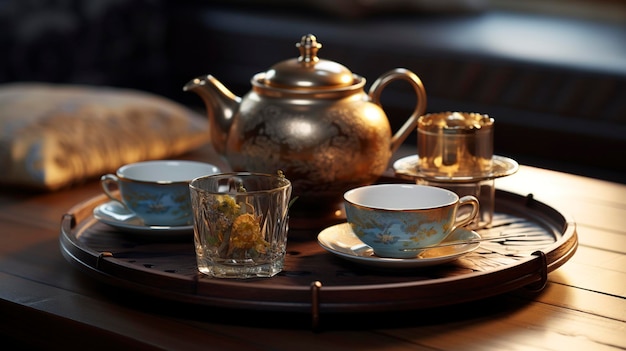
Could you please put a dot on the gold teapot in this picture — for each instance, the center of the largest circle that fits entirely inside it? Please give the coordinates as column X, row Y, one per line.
column 310, row 118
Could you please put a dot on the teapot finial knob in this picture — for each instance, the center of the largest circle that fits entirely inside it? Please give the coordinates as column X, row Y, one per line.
column 308, row 47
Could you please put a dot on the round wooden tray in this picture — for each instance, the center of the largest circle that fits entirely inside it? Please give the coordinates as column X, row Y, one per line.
column 316, row 281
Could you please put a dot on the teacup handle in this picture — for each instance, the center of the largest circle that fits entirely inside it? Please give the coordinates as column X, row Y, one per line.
column 467, row 200
column 110, row 183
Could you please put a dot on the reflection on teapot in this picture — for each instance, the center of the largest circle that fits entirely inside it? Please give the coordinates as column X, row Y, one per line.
column 310, row 118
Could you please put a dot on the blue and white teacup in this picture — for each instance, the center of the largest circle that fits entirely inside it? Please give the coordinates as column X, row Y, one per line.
column 157, row 192
column 398, row 220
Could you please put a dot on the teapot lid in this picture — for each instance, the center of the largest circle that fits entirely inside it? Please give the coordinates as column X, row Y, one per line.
column 308, row 71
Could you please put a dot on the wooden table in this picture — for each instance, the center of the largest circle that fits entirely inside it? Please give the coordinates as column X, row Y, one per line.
column 46, row 302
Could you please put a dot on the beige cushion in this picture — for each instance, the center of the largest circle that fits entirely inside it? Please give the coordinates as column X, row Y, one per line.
column 53, row 136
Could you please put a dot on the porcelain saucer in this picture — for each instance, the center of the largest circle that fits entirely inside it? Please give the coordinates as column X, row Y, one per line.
column 116, row 215
column 406, row 167
column 340, row 240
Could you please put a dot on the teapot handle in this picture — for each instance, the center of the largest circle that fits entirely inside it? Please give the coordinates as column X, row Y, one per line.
column 411, row 123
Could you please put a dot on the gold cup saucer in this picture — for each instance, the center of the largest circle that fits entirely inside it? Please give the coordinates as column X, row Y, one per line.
column 406, row 168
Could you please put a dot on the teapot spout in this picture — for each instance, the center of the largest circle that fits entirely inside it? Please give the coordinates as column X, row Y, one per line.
column 221, row 106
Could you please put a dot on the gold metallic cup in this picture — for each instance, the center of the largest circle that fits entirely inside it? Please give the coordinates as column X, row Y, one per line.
column 455, row 144
column 458, row 145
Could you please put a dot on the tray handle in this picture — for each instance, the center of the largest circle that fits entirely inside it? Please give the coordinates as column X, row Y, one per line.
column 543, row 273
column 68, row 221
column 316, row 286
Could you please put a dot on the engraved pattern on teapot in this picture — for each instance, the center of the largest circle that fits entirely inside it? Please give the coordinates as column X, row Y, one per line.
column 322, row 153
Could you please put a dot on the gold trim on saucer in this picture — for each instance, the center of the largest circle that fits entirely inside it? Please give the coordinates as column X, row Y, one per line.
column 406, row 168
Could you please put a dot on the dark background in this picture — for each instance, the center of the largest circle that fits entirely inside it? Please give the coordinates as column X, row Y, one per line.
column 555, row 83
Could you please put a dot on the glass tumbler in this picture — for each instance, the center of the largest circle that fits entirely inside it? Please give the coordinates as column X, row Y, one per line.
column 240, row 223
